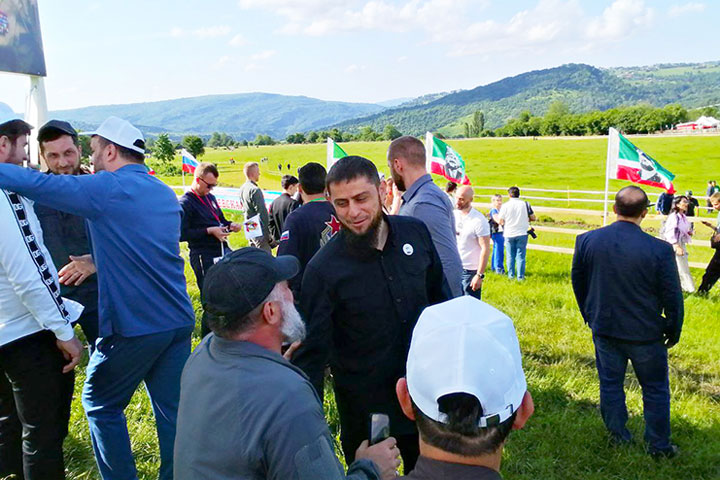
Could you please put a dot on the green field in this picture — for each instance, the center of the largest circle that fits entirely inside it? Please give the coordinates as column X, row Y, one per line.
column 566, row 438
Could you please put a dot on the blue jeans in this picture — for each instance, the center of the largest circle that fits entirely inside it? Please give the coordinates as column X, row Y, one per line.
column 498, row 252
column 467, row 276
column 116, row 368
column 516, row 248
column 651, row 369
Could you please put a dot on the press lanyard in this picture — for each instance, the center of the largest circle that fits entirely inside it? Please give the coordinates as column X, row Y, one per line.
column 210, row 207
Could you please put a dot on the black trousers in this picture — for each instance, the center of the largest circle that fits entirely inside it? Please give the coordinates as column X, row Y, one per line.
column 201, row 263
column 35, row 398
column 712, row 273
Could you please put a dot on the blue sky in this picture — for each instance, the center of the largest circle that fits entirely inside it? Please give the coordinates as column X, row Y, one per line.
column 109, row 51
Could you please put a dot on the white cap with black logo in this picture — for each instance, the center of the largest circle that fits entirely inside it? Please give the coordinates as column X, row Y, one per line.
column 120, row 132
column 466, row 346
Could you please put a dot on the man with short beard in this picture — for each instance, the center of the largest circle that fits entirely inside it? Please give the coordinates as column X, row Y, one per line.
column 361, row 295
column 245, row 411
column 65, row 234
column 424, row 200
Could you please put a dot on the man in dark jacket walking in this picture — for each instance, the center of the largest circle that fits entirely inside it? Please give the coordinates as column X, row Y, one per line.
column 628, row 289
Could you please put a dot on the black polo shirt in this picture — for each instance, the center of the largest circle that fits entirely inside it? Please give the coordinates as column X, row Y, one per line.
column 360, row 312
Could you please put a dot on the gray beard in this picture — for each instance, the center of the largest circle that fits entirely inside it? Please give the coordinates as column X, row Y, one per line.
column 293, row 327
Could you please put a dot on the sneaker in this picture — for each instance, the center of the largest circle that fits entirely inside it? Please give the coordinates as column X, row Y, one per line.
column 666, row 453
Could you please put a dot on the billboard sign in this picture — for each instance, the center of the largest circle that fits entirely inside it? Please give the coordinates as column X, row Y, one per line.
column 21, row 48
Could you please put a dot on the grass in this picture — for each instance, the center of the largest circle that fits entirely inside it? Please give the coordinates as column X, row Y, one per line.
column 565, row 439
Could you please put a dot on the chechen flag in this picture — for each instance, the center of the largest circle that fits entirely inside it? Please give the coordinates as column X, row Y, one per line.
column 334, row 153
column 188, row 162
column 627, row 162
column 443, row 160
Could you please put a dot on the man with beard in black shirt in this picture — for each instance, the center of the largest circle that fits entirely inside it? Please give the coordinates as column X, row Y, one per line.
column 362, row 294
column 311, row 226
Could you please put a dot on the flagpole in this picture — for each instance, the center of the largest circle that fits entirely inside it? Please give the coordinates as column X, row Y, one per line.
column 607, row 184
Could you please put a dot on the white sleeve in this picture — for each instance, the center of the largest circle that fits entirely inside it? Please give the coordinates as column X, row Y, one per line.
column 27, row 268
column 502, row 212
column 482, row 227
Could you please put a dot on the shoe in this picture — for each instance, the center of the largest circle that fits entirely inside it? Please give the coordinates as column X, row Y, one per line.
column 618, row 441
column 667, row 453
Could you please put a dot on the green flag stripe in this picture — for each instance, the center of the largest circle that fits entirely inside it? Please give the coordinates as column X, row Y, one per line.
column 338, row 152
column 628, row 151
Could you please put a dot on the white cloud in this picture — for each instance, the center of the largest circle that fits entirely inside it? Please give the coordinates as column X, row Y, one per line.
column 354, row 68
column 224, row 60
column 264, row 55
column 691, row 7
column 238, row 41
column 402, row 59
column 203, row 32
column 620, row 20
column 464, row 26
column 252, row 67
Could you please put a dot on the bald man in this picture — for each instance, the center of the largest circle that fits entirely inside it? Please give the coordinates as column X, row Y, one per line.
column 473, row 241
column 628, row 290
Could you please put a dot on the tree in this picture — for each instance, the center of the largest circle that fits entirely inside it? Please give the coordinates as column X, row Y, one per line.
column 194, row 145
column 367, row 134
column 391, row 133
column 163, row 149
column 296, row 138
column 312, row 137
column 263, row 140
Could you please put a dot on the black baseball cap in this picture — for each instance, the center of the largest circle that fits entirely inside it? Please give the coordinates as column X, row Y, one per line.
column 56, row 126
column 239, row 283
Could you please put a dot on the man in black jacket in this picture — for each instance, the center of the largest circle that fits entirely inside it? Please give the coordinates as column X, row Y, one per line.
column 65, row 235
column 281, row 207
column 311, row 226
column 362, row 294
column 628, row 289
column 204, row 226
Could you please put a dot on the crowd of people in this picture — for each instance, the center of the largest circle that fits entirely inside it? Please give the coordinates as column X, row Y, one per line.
column 377, row 279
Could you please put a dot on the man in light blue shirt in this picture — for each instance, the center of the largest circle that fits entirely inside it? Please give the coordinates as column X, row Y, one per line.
column 427, row 202
column 145, row 315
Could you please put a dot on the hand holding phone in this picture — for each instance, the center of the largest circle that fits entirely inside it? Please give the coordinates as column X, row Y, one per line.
column 379, row 428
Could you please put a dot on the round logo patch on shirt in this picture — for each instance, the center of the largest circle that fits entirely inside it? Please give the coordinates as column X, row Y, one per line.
column 408, row 249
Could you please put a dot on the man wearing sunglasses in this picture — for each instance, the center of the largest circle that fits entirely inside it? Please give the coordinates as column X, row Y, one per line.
column 204, row 226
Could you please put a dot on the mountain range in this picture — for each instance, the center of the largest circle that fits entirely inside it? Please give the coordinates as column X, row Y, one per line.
column 581, row 87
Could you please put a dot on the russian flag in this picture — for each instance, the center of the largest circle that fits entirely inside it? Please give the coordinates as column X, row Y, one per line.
column 188, row 162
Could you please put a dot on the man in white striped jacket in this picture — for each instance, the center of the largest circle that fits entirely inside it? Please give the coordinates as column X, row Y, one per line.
column 38, row 349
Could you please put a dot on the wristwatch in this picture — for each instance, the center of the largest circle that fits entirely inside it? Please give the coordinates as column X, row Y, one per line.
column 481, row 275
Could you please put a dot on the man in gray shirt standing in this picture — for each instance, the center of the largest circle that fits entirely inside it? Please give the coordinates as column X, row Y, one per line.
column 253, row 203
column 427, row 202
column 245, row 411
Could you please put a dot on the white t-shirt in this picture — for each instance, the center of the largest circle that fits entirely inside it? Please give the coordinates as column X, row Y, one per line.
column 515, row 214
column 470, row 228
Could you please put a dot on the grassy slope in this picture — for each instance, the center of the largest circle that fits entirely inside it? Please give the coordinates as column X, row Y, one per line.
column 565, row 439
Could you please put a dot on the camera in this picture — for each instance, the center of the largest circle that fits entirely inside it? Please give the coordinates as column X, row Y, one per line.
column 532, row 233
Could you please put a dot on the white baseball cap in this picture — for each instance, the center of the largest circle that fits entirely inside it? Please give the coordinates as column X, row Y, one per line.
column 466, row 346
column 120, row 132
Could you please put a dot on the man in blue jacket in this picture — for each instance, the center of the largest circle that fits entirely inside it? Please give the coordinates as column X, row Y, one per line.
column 145, row 314
column 628, row 289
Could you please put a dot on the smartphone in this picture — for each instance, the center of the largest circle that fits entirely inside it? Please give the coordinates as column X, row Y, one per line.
column 379, row 427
